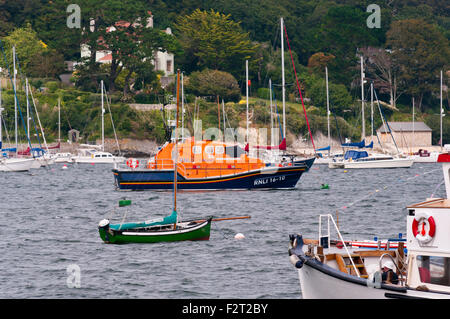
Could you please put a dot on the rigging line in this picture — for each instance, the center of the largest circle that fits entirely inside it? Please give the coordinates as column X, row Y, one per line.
column 439, row 185
column 39, row 121
column 30, row 109
column 6, row 131
column 112, row 122
column 278, row 115
column 379, row 107
column 378, row 190
column 299, row 90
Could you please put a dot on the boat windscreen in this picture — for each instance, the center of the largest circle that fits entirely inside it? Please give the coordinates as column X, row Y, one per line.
column 234, row 151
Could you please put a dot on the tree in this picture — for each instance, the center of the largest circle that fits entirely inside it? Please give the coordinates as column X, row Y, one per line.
column 382, row 72
column 318, row 61
column 419, row 51
column 27, row 46
column 121, row 27
column 343, row 31
column 214, row 83
column 213, row 40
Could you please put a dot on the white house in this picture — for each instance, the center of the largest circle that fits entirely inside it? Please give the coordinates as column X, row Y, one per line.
column 163, row 61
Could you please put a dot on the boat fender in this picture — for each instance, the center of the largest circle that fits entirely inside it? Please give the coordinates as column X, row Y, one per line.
column 297, row 262
column 104, row 224
column 422, row 235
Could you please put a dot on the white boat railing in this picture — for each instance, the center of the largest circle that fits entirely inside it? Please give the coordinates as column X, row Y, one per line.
column 330, row 217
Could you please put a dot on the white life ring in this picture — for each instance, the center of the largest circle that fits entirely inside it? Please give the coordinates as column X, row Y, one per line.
column 426, row 234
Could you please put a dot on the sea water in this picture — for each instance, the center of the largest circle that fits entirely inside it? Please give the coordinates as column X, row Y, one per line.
column 51, row 248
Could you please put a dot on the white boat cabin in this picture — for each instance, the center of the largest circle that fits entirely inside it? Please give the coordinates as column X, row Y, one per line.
column 429, row 239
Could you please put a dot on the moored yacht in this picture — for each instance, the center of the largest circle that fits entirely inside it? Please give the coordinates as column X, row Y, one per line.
column 361, row 159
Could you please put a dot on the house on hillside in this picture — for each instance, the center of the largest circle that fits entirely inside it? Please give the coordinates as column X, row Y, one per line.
column 406, row 134
column 163, row 61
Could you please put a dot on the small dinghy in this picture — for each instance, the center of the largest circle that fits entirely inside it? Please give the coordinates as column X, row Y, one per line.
column 167, row 229
column 159, row 232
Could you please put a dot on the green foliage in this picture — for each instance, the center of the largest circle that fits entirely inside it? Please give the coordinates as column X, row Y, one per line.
column 213, row 40
column 420, row 51
column 214, row 83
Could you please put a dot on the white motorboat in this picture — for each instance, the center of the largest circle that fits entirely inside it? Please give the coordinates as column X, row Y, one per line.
column 16, row 164
column 423, row 156
column 62, row 157
column 337, row 269
column 93, row 156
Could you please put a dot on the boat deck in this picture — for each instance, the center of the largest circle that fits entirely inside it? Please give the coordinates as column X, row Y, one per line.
column 433, row 203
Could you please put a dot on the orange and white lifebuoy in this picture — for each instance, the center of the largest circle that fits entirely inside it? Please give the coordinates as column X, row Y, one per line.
column 132, row 163
column 423, row 228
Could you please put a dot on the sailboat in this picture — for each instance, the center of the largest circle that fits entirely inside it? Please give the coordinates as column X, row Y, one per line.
column 276, row 153
column 361, row 158
column 95, row 154
column 7, row 163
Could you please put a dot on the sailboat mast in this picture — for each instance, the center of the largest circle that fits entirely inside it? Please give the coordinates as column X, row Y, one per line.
column 441, row 109
column 363, row 133
column 283, row 84
column 371, row 111
column 28, row 109
column 413, row 118
column 271, row 113
column 182, row 107
column 328, row 106
column 103, row 120
column 246, row 90
column 223, row 115
column 1, row 118
column 59, row 120
column 175, row 156
column 15, row 99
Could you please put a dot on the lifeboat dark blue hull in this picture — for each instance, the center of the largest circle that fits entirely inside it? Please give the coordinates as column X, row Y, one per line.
column 267, row 178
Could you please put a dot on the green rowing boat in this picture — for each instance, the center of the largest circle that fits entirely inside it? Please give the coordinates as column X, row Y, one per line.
column 189, row 230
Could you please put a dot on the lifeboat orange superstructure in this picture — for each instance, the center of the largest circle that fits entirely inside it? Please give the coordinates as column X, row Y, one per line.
column 205, row 158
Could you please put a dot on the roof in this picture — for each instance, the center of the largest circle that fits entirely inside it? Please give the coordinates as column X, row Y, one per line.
column 405, row 127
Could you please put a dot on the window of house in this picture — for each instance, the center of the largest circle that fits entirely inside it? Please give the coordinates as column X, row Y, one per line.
column 169, row 66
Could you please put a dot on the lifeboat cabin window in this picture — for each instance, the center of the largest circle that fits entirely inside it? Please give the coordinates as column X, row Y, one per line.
column 209, row 149
column 234, row 151
column 220, row 150
column 196, row 149
column 434, row 270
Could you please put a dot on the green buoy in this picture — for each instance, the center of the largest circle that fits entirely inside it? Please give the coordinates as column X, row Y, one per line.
column 324, row 186
column 124, row 202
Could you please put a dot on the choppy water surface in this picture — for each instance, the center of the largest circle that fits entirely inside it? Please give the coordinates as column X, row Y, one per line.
column 49, row 221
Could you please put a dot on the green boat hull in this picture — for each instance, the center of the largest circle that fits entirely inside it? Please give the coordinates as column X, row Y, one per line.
column 198, row 231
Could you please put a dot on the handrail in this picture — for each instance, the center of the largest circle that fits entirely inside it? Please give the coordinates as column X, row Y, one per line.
column 340, row 237
column 396, row 266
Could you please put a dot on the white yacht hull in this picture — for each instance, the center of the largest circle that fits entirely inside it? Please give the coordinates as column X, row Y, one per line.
column 391, row 163
column 16, row 164
column 90, row 160
column 426, row 159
